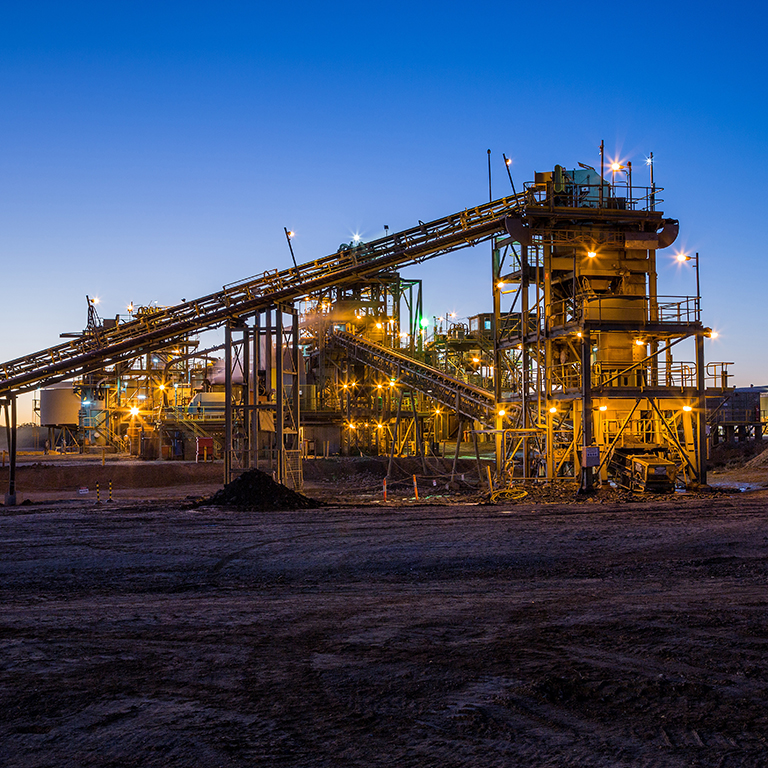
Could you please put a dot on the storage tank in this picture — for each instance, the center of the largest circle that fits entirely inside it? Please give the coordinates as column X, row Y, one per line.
column 59, row 406
column 207, row 405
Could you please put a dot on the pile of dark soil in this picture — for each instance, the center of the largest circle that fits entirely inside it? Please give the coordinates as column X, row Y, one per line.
column 256, row 490
column 750, row 454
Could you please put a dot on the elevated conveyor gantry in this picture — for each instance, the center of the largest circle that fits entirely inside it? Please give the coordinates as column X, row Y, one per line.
column 102, row 347
column 467, row 401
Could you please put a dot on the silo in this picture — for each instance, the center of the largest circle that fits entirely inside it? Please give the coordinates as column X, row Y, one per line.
column 59, row 406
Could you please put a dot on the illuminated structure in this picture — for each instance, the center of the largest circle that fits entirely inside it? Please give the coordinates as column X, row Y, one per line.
column 574, row 369
column 587, row 348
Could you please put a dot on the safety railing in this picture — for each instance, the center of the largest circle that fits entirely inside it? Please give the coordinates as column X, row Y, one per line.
column 620, row 194
column 717, row 375
column 635, row 311
column 565, row 377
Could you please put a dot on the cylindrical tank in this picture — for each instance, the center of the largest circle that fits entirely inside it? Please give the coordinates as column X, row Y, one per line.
column 59, row 406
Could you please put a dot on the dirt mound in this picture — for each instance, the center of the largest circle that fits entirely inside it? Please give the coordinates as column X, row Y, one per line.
column 759, row 462
column 751, row 453
column 256, row 490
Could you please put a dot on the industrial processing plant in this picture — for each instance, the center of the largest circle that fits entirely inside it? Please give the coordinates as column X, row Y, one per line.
column 580, row 368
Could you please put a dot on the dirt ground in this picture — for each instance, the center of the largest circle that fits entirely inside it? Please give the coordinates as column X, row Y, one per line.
column 152, row 633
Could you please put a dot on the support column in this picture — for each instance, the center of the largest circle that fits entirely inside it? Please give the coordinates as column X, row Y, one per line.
column 296, row 388
column 524, row 378
column 227, row 403
column 10, row 431
column 280, row 405
column 587, row 473
column 497, row 356
column 268, row 336
column 253, row 445
column 701, row 413
column 245, row 399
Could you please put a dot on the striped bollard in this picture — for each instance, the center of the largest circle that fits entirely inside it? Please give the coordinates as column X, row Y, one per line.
column 415, row 488
column 385, row 489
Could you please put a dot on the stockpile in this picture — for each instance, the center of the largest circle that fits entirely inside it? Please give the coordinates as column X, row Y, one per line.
column 258, row 491
column 759, row 462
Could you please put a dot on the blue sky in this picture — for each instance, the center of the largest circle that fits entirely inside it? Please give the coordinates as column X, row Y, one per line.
column 152, row 153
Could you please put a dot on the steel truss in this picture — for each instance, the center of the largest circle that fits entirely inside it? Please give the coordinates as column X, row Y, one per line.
column 583, row 345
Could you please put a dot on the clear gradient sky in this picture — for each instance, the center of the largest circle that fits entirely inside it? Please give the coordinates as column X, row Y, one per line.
column 154, row 151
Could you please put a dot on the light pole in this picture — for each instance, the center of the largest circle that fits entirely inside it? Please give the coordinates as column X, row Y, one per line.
column 682, row 258
column 289, row 236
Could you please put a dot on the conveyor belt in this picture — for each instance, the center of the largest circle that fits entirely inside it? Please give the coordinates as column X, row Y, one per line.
column 97, row 349
column 465, row 399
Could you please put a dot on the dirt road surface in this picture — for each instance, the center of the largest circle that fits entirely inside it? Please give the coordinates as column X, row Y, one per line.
column 525, row 635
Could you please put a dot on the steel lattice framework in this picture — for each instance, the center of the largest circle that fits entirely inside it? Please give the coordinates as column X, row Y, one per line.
column 98, row 348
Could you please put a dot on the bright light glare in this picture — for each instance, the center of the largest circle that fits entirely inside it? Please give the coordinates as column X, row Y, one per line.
column 687, row 408
column 291, row 233
column 162, row 387
column 639, row 342
column 553, row 409
column 509, row 161
column 603, row 407
column 591, row 254
column 502, row 412
column 681, row 257
column 713, row 334
column 617, row 167
column 134, row 411
column 356, row 238
column 475, row 359
column 95, row 300
column 500, row 285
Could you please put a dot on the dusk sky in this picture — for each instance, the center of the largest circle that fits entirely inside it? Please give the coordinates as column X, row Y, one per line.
column 150, row 152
